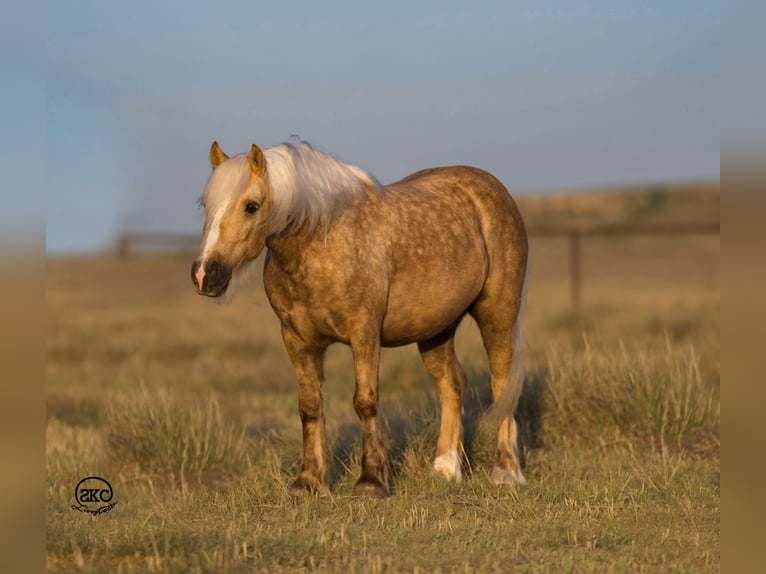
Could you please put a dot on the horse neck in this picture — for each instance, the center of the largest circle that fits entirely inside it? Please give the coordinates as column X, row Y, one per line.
column 287, row 247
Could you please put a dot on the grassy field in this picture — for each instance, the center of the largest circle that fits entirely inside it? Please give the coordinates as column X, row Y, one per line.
column 188, row 408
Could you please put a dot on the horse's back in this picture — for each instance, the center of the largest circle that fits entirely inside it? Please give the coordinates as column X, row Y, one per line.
column 494, row 208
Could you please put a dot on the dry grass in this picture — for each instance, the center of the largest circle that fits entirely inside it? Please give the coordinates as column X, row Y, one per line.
column 166, row 437
column 188, row 408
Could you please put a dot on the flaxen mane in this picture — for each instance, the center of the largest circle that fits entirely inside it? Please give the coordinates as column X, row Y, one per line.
column 311, row 187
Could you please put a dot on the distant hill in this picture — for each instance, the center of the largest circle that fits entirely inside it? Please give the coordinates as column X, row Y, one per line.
column 659, row 203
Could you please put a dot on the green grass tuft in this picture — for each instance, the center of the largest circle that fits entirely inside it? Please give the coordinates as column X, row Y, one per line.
column 659, row 396
column 167, row 437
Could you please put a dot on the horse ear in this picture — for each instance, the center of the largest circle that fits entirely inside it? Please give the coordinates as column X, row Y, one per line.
column 217, row 157
column 257, row 162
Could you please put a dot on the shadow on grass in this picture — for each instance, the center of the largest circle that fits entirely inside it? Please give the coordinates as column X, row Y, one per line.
column 479, row 448
column 343, row 452
column 416, row 430
column 76, row 413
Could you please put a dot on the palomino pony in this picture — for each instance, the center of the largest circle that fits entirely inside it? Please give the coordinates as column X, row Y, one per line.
column 355, row 262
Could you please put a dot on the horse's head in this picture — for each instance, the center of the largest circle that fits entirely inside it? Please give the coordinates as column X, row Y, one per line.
column 236, row 203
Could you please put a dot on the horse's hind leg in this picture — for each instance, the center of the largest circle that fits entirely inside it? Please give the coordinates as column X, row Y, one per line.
column 441, row 361
column 498, row 320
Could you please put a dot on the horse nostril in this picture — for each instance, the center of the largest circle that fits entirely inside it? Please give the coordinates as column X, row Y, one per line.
column 210, row 278
column 213, row 271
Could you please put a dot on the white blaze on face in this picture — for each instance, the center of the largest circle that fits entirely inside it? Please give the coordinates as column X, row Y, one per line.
column 215, row 229
column 210, row 241
column 227, row 182
column 200, row 275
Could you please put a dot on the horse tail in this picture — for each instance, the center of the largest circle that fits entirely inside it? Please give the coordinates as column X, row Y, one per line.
column 505, row 405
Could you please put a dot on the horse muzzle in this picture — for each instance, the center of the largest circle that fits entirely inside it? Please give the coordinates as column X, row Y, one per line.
column 210, row 279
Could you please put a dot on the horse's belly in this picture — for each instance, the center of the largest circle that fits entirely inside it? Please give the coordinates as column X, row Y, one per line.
column 420, row 312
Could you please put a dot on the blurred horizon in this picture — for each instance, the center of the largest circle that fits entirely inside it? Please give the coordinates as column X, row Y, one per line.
column 546, row 97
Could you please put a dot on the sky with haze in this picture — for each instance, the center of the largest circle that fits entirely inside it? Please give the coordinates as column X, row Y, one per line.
column 544, row 95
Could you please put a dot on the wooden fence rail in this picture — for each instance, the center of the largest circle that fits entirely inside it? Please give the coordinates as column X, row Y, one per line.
column 131, row 242
column 128, row 243
column 576, row 233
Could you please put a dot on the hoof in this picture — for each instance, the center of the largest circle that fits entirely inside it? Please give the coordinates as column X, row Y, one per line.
column 506, row 476
column 309, row 483
column 448, row 466
column 370, row 487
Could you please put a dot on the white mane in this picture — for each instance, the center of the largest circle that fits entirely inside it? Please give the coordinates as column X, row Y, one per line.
column 310, row 187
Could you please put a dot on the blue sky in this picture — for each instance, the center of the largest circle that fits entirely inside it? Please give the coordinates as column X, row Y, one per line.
column 544, row 95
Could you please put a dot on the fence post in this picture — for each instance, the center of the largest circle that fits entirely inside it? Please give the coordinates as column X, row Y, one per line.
column 123, row 245
column 574, row 268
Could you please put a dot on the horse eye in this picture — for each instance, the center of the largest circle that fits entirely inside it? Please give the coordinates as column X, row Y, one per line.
column 251, row 207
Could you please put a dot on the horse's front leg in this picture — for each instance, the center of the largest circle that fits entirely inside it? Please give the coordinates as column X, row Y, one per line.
column 308, row 363
column 374, row 478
